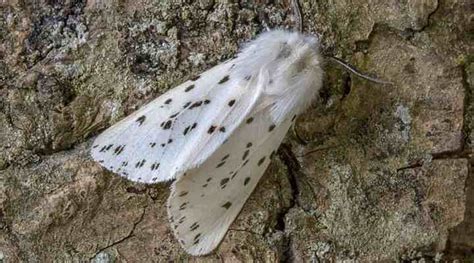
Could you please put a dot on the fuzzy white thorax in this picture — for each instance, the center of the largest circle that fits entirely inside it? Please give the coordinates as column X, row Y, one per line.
column 292, row 64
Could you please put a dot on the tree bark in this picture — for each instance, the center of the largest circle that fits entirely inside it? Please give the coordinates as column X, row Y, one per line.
column 388, row 174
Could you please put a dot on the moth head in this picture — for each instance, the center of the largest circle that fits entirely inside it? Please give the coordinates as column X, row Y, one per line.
column 283, row 48
column 298, row 54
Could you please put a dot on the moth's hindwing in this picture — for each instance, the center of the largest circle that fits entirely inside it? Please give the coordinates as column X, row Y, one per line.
column 207, row 199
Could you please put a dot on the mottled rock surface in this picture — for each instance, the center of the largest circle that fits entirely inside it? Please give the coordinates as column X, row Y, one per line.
column 388, row 174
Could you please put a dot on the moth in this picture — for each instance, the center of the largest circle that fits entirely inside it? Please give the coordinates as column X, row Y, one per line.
column 215, row 134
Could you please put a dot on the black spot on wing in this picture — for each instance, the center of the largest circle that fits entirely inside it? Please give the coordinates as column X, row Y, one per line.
column 188, row 88
column 194, row 226
column 247, row 180
column 222, row 129
column 141, row 119
column 186, row 130
column 207, row 101
column 168, row 101
column 154, row 166
column 224, row 79
column 271, row 128
column 183, row 206
column 140, row 164
column 227, row 205
column 211, row 129
column 249, row 145
column 196, row 239
column 260, row 162
column 225, row 157
column 224, row 181
column 246, row 154
column 249, row 120
column 231, row 103
column 119, row 149
column 167, row 125
column 195, row 105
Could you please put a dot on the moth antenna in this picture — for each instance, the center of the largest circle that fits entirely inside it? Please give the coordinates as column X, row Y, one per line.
column 297, row 12
column 356, row 72
column 299, row 25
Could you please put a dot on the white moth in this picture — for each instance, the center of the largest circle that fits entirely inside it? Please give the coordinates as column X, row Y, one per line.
column 216, row 133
